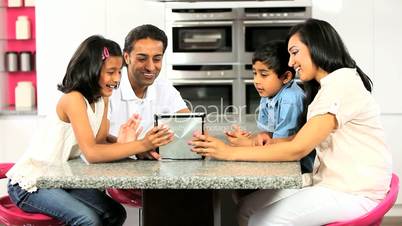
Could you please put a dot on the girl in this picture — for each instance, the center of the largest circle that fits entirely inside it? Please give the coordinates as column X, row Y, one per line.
column 80, row 126
column 352, row 169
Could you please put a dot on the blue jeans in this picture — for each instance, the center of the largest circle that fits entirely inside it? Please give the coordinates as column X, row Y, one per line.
column 71, row 206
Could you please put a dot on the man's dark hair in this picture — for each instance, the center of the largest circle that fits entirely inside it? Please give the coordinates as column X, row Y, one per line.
column 143, row 32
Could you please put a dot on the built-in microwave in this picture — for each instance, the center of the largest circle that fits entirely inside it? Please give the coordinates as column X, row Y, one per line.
column 201, row 36
column 260, row 25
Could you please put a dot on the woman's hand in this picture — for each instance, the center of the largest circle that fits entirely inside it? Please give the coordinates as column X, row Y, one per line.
column 209, row 146
column 157, row 136
column 130, row 130
column 239, row 137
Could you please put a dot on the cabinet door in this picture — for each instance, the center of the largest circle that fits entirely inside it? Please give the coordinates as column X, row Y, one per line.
column 61, row 26
column 387, row 49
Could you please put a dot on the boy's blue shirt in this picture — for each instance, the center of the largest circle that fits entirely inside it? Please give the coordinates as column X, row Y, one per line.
column 281, row 114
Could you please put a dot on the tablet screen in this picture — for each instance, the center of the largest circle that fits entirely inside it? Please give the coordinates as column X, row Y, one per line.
column 183, row 126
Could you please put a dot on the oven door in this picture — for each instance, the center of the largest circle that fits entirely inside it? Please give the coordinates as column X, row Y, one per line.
column 258, row 32
column 208, row 96
column 198, row 42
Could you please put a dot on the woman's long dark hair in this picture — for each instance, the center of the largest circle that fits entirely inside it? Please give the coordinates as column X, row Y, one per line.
column 326, row 47
column 84, row 68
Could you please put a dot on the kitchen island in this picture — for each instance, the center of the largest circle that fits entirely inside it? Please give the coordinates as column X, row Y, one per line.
column 175, row 192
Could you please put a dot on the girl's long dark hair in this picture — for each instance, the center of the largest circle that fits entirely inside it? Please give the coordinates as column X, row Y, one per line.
column 85, row 66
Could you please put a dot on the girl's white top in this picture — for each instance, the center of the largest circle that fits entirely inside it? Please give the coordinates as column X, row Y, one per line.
column 354, row 158
column 54, row 144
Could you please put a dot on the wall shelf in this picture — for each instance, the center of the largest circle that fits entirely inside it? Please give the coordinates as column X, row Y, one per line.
column 9, row 43
column 11, row 110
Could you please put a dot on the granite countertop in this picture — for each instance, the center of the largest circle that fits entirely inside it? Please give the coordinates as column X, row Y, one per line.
column 165, row 174
column 183, row 174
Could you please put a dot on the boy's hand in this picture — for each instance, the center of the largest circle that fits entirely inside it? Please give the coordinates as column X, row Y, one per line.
column 239, row 137
column 130, row 130
column 262, row 139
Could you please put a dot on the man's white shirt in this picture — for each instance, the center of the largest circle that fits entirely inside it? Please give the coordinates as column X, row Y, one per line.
column 160, row 97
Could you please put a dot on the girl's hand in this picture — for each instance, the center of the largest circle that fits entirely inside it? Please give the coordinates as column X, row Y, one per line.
column 130, row 130
column 157, row 136
column 209, row 146
column 239, row 137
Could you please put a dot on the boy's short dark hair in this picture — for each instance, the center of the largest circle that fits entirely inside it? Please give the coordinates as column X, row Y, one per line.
column 142, row 32
column 275, row 55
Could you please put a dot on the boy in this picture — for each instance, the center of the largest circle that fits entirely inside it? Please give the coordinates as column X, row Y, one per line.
column 281, row 110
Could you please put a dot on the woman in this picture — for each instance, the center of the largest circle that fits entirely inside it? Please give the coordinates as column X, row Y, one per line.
column 352, row 170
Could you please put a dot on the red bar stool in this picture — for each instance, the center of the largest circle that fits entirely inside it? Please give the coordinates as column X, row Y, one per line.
column 375, row 216
column 129, row 197
column 10, row 214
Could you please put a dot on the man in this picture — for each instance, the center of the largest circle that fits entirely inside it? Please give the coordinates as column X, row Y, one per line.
column 140, row 90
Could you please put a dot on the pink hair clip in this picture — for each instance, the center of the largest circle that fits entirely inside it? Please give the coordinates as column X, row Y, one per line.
column 105, row 53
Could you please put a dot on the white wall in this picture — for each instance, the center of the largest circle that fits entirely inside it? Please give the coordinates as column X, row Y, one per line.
column 61, row 27
column 63, row 24
column 373, row 39
column 15, row 135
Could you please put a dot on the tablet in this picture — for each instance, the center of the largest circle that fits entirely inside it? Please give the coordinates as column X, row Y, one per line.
column 183, row 126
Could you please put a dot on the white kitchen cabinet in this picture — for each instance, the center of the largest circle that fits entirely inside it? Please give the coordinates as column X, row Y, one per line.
column 61, row 26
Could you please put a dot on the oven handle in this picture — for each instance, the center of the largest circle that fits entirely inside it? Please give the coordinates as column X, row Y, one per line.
column 195, row 23
column 262, row 22
column 202, row 81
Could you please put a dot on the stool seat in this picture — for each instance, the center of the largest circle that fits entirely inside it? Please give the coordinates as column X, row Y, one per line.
column 375, row 216
column 130, row 197
column 10, row 214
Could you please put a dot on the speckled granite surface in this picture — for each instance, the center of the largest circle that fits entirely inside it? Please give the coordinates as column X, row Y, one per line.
column 184, row 174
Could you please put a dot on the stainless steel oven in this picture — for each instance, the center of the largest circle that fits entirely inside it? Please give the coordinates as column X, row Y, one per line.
column 210, row 48
column 260, row 25
column 207, row 88
column 201, row 36
column 208, row 95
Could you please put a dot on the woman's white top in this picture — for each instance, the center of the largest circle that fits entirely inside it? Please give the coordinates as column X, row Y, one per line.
column 354, row 157
column 54, row 143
